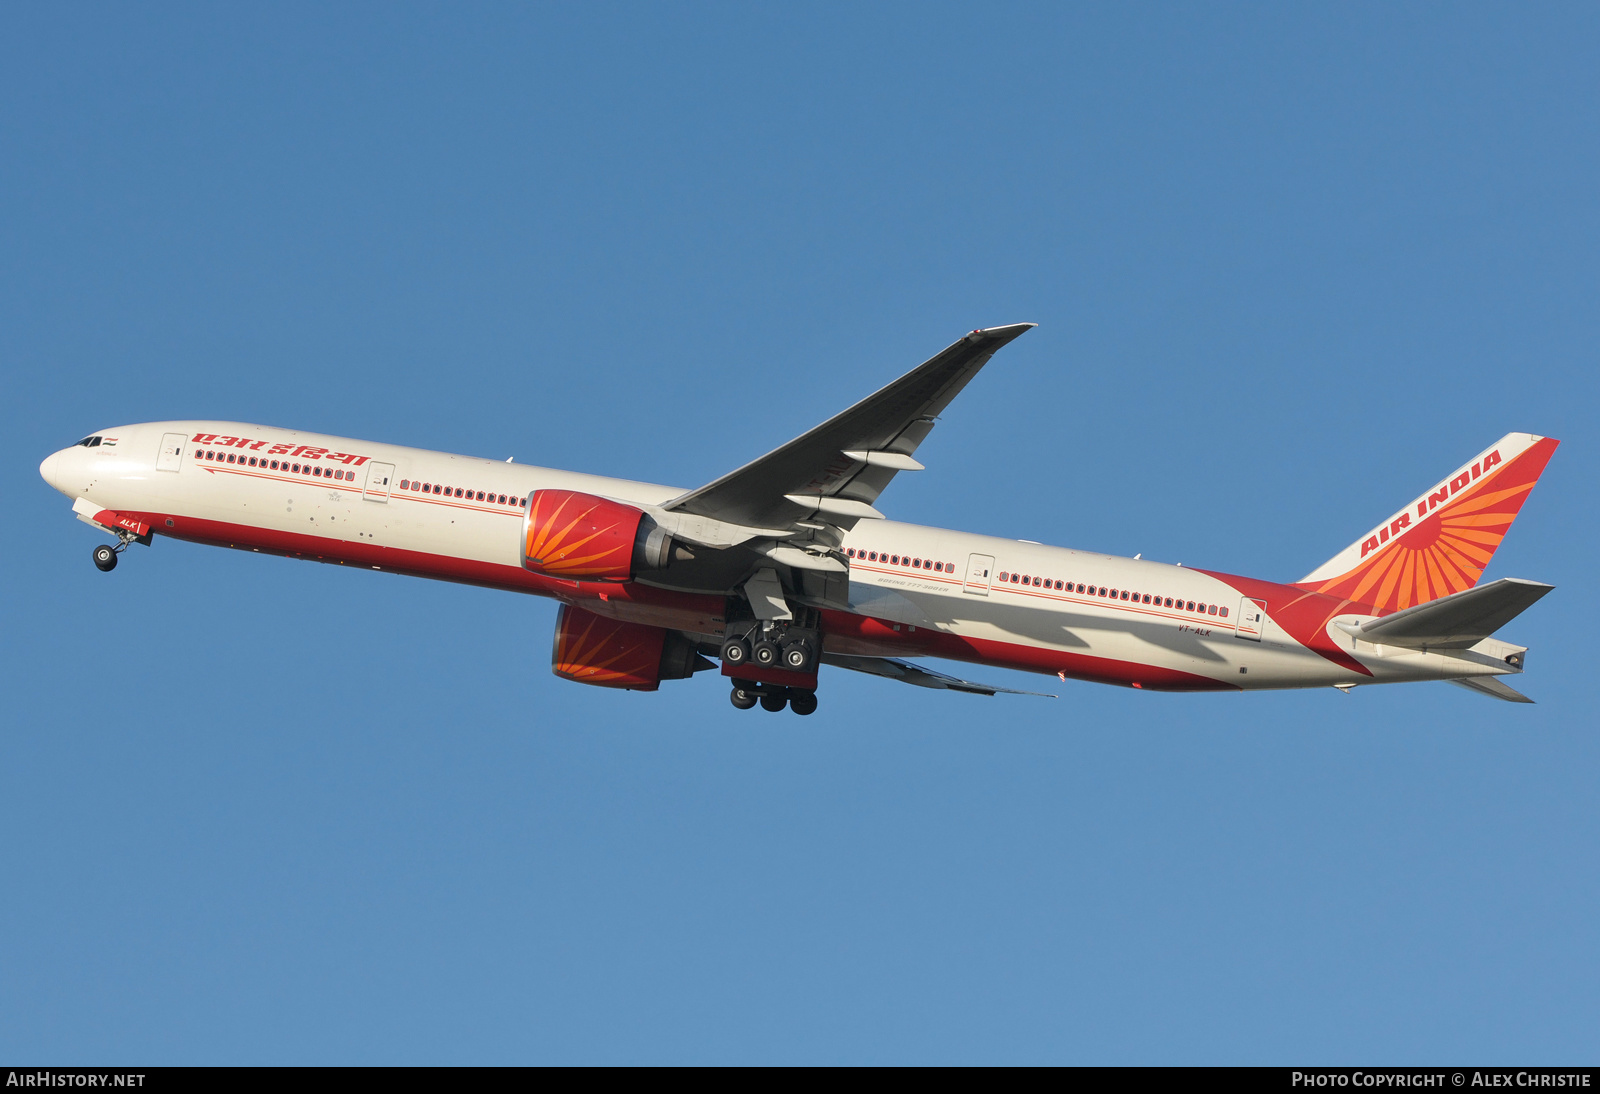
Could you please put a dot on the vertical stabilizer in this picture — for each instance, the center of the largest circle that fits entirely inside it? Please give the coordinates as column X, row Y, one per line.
column 1440, row 543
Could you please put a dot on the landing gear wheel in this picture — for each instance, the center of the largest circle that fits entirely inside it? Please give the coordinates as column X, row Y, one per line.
column 735, row 651
column 802, row 702
column 105, row 559
column 797, row 656
column 765, row 654
column 774, row 703
column 742, row 698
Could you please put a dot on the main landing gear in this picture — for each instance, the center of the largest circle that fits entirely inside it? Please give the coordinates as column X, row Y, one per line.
column 773, row 697
column 771, row 644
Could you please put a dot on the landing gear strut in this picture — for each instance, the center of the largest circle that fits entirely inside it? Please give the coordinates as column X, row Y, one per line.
column 105, row 557
column 747, row 693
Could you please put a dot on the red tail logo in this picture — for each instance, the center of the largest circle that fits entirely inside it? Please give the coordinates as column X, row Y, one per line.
column 1441, row 543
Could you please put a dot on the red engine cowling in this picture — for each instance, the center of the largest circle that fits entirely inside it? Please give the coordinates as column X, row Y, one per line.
column 585, row 538
column 609, row 653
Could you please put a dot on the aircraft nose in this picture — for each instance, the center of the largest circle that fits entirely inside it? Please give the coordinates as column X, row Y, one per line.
column 50, row 470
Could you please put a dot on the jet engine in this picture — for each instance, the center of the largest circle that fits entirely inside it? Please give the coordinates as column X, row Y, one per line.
column 609, row 653
column 585, row 538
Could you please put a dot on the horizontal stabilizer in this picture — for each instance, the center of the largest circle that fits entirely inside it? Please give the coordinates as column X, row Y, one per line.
column 1488, row 685
column 1455, row 622
column 907, row 673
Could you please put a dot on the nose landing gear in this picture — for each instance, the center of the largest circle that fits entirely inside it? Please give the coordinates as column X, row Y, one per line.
column 105, row 556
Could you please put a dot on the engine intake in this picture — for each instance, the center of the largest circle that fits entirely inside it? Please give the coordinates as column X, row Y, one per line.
column 582, row 537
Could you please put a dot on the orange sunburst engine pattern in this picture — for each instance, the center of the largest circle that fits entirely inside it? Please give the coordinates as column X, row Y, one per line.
column 607, row 653
column 579, row 536
column 1443, row 542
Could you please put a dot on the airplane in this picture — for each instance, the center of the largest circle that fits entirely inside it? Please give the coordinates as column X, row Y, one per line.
column 787, row 564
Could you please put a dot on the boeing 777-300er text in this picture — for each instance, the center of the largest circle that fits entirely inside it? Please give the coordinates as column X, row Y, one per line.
column 787, row 564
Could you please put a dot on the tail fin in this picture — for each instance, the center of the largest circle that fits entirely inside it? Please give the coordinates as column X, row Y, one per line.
column 1440, row 543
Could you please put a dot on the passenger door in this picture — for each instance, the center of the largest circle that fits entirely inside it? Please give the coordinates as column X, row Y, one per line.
column 979, row 569
column 171, row 456
column 1252, row 619
column 379, row 476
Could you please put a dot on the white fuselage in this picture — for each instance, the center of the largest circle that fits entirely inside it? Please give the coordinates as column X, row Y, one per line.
column 352, row 502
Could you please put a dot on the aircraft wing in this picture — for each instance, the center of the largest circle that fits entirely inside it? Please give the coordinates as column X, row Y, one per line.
column 833, row 474
column 907, row 673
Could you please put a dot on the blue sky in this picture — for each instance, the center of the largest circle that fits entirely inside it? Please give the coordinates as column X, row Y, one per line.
column 1290, row 265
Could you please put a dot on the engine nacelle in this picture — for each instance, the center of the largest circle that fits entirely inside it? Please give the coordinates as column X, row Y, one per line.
column 584, row 538
column 608, row 653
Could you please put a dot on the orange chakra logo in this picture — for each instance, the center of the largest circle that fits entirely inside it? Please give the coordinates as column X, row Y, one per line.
column 1444, row 545
column 579, row 535
column 608, row 652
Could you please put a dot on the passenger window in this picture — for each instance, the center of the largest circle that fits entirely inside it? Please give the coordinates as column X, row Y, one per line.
column 1190, row 608
column 1223, row 613
column 1211, row 610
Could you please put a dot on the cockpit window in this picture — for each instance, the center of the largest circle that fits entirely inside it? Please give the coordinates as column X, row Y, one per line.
column 88, row 442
